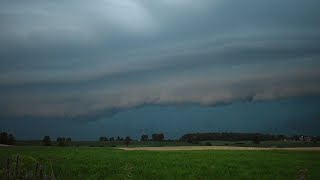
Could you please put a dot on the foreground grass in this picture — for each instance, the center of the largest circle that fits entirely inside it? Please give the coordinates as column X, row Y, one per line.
column 107, row 163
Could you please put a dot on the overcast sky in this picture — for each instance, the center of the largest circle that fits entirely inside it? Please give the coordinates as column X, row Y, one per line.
column 86, row 59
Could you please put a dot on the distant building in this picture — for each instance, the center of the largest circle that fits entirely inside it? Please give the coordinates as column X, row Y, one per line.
column 305, row 138
column 301, row 138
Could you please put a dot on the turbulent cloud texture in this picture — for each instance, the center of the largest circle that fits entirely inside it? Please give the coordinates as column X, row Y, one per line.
column 78, row 58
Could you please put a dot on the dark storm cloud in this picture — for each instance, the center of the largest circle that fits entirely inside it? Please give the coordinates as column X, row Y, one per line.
column 74, row 58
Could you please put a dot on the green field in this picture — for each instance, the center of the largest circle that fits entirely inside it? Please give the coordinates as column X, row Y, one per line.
column 108, row 163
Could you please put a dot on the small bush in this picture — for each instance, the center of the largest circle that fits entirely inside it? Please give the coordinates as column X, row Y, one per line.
column 208, row 143
column 256, row 139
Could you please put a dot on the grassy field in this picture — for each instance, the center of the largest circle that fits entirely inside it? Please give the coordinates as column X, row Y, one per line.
column 108, row 163
column 263, row 143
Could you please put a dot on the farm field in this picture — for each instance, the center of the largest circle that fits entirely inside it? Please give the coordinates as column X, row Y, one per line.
column 111, row 163
column 192, row 148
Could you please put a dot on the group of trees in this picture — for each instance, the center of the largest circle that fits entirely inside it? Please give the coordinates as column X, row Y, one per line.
column 154, row 137
column 46, row 141
column 6, row 138
column 127, row 140
column 62, row 141
column 256, row 137
column 158, row 137
column 144, row 137
column 104, row 138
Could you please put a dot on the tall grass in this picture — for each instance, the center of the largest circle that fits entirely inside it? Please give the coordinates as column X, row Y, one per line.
column 17, row 168
column 107, row 163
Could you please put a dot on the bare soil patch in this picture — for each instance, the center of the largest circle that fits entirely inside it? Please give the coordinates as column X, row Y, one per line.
column 4, row 145
column 188, row 148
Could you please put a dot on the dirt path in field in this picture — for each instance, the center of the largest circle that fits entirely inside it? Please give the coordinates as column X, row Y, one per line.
column 4, row 145
column 182, row 148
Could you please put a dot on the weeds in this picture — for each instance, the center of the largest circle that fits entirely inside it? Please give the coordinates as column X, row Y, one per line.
column 302, row 174
column 15, row 170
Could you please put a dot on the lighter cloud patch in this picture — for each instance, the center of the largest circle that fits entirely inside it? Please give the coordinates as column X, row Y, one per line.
column 130, row 15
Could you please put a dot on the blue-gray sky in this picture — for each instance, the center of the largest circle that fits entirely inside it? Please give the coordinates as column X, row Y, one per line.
column 62, row 60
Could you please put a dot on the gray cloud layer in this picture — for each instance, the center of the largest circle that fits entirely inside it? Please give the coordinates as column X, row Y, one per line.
column 77, row 58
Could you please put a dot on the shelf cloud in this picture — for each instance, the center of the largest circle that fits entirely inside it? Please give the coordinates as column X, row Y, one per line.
column 79, row 58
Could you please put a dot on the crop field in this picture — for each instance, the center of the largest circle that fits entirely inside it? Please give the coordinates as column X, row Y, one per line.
column 110, row 163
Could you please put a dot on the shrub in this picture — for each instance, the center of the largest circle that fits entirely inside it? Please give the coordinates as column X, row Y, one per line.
column 46, row 141
column 256, row 139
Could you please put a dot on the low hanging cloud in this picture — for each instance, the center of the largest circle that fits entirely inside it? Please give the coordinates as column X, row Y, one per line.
column 79, row 59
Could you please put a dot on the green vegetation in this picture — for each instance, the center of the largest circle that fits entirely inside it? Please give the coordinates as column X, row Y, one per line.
column 255, row 137
column 6, row 138
column 174, row 143
column 262, row 143
column 108, row 163
column 108, row 143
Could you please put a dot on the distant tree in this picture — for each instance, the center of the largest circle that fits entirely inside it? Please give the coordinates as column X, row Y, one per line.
column 296, row 137
column 127, row 140
column 69, row 140
column 158, row 137
column 315, row 139
column 121, row 139
column 6, row 138
column 144, row 137
column 62, row 141
column 154, row 137
column 11, row 140
column 256, row 139
column 111, row 139
column 101, row 138
column 161, row 137
column 228, row 136
column 46, row 141
column 118, row 138
column 190, row 138
column 3, row 138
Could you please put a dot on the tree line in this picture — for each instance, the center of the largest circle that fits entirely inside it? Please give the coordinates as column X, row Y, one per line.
column 9, row 139
column 104, row 138
column 6, row 138
column 230, row 136
column 62, row 141
column 144, row 137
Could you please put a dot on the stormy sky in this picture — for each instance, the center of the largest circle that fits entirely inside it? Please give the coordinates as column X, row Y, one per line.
column 82, row 62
